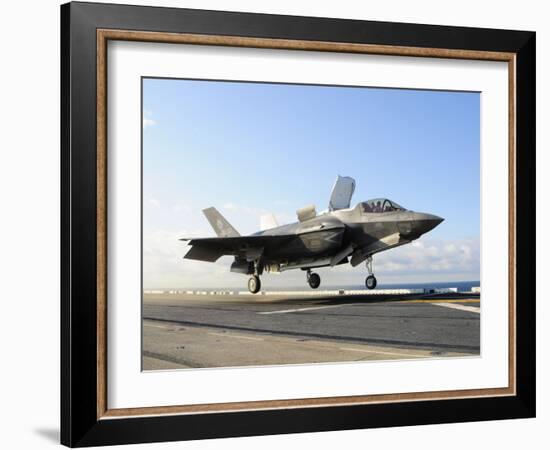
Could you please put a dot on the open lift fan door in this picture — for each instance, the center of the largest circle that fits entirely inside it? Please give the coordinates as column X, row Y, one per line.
column 342, row 191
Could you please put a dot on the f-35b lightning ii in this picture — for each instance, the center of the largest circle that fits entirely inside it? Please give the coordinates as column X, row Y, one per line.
column 336, row 236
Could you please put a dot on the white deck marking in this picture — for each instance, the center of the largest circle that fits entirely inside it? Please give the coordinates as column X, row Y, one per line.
column 237, row 337
column 285, row 311
column 410, row 355
column 460, row 307
column 155, row 326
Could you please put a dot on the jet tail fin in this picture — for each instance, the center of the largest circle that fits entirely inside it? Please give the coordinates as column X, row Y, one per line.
column 268, row 221
column 221, row 226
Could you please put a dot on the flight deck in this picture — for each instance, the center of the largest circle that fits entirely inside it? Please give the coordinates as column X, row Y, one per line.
column 199, row 329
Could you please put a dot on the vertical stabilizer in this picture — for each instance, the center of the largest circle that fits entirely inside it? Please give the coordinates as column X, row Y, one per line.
column 268, row 221
column 221, row 226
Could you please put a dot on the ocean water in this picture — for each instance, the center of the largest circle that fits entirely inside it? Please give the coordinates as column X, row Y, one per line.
column 462, row 286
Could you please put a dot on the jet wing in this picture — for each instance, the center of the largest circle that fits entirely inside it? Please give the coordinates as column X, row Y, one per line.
column 211, row 249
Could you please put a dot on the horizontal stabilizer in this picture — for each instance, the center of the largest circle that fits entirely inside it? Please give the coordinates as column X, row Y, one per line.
column 246, row 246
column 203, row 254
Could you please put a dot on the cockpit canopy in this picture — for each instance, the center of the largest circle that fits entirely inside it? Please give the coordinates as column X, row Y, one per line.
column 379, row 205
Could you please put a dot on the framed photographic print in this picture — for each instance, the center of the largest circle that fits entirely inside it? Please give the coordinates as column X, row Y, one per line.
column 277, row 224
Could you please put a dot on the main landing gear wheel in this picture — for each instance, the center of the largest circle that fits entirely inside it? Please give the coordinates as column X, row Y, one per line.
column 254, row 284
column 314, row 280
column 370, row 282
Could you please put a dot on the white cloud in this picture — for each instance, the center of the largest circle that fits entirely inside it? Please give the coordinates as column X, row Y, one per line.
column 230, row 207
column 147, row 121
column 152, row 201
column 163, row 263
column 181, row 209
column 427, row 256
column 424, row 260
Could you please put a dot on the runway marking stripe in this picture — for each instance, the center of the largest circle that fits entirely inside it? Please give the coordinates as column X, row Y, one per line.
column 155, row 326
column 410, row 355
column 237, row 337
column 285, row 311
column 460, row 307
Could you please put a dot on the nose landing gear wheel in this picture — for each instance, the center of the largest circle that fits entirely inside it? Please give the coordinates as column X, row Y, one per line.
column 314, row 280
column 254, row 284
column 370, row 282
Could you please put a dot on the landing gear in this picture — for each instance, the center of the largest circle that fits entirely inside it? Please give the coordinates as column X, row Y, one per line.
column 313, row 279
column 254, row 284
column 370, row 282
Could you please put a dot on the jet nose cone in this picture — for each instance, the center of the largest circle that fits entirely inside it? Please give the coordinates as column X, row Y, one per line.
column 426, row 222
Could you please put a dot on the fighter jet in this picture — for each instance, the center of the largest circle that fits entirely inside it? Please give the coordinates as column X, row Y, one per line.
column 339, row 235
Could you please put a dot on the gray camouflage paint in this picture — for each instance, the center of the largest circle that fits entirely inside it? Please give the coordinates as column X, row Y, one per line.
column 332, row 238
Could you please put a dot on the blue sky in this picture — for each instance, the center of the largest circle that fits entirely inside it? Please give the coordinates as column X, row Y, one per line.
column 251, row 148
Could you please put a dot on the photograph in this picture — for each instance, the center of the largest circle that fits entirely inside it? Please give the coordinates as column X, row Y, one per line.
column 296, row 223
column 293, row 222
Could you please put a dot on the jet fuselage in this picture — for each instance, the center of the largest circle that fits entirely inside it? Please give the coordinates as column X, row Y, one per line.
column 327, row 234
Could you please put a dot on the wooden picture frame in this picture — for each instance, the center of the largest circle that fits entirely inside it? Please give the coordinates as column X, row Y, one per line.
column 85, row 416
